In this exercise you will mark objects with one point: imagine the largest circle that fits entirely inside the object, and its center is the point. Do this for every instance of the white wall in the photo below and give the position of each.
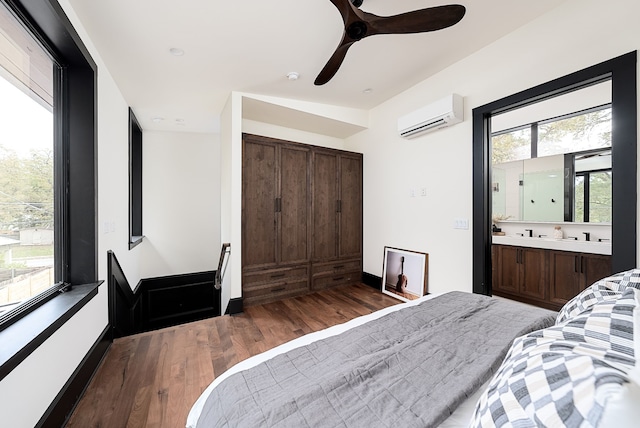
(181, 203)
(577, 34)
(231, 195)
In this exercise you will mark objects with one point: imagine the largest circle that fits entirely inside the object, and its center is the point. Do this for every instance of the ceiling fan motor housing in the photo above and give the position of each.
(357, 30)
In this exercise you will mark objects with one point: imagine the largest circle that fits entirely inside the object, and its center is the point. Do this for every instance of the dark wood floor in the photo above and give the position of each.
(152, 379)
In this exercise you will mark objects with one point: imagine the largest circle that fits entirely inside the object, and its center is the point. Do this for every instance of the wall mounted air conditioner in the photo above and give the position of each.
(442, 113)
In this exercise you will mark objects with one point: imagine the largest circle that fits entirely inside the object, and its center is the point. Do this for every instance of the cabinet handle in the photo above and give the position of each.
(339, 206)
(340, 278)
(338, 267)
(575, 264)
(581, 264)
(278, 275)
(275, 290)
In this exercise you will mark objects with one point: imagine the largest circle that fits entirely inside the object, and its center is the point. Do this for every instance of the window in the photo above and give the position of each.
(576, 132)
(135, 181)
(47, 159)
(593, 187)
(27, 234)
(511, 145)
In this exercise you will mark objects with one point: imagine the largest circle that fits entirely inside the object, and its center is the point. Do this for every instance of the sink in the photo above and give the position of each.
(564, 244)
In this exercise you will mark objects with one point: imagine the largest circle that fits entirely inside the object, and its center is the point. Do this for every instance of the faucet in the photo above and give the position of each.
(530, 232)
(587, 236)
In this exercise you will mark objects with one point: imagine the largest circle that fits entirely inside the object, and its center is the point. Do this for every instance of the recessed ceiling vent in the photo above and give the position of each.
(440, 114)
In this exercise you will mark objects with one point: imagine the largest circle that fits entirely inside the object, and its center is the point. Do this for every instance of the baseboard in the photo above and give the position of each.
(235, 306)
(371, 280)
(65, 402)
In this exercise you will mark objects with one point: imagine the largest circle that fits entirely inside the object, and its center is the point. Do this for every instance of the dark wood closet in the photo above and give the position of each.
(301, 218)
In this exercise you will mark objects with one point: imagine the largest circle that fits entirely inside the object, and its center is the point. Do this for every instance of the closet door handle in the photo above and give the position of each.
(278, 205)
(338, 206)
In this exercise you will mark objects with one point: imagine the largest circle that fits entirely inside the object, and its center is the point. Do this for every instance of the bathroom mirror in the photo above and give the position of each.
(542, 154)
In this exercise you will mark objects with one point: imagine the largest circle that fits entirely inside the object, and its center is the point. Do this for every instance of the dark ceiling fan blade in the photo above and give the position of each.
(417, 21)
(344, 7)
(332, 66)
(359, 24)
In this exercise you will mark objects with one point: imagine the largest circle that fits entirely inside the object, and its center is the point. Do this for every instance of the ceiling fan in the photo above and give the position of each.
(359, 24)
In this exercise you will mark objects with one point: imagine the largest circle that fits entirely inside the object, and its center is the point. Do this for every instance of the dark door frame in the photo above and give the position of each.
(622, 72)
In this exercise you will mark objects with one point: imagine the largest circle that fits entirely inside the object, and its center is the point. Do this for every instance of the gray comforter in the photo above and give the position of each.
(410, 368)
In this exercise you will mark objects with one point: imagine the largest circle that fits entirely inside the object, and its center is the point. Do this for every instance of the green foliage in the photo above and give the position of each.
(511, 146)
(575, 134)
(26, 189)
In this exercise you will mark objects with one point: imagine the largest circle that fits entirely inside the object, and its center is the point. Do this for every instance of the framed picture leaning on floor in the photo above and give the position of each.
(404, 273)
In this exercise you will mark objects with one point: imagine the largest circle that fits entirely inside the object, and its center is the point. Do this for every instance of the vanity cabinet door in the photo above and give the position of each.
(520, 271)
(570, 273)
(595, 267)
(508, 267)
(533, 268)
(565, 281)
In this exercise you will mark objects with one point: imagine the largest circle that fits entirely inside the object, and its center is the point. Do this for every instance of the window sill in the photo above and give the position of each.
(135, 240)
(24, 336)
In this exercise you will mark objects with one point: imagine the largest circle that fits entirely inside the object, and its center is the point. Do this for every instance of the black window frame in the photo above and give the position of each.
(75, 172)
(135, 181)
(534, 126)
(586, 176)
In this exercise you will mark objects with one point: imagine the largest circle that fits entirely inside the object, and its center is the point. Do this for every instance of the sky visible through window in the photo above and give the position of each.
(26, 194)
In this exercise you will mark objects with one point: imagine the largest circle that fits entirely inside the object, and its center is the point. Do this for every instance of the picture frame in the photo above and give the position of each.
(404, 273)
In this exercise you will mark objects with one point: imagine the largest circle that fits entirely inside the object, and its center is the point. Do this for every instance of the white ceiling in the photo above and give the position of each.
(251, 45)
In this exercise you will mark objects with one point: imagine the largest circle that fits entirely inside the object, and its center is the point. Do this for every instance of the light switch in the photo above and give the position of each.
(461, 223)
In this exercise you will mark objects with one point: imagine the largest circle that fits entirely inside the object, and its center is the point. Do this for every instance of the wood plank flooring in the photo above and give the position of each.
(152, 379)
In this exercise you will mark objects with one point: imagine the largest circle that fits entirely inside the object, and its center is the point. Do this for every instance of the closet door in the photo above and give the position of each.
(259, 190)
(294, 204)
(325, 205)
(350, 206)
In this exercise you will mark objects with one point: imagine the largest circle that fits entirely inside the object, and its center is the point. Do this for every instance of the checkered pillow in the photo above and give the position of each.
(564, 375)
(604, 290)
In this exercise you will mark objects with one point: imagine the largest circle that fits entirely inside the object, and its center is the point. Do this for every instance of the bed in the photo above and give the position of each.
(447, 360)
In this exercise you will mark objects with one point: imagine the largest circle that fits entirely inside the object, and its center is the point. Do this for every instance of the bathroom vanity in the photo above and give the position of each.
(546, 272)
